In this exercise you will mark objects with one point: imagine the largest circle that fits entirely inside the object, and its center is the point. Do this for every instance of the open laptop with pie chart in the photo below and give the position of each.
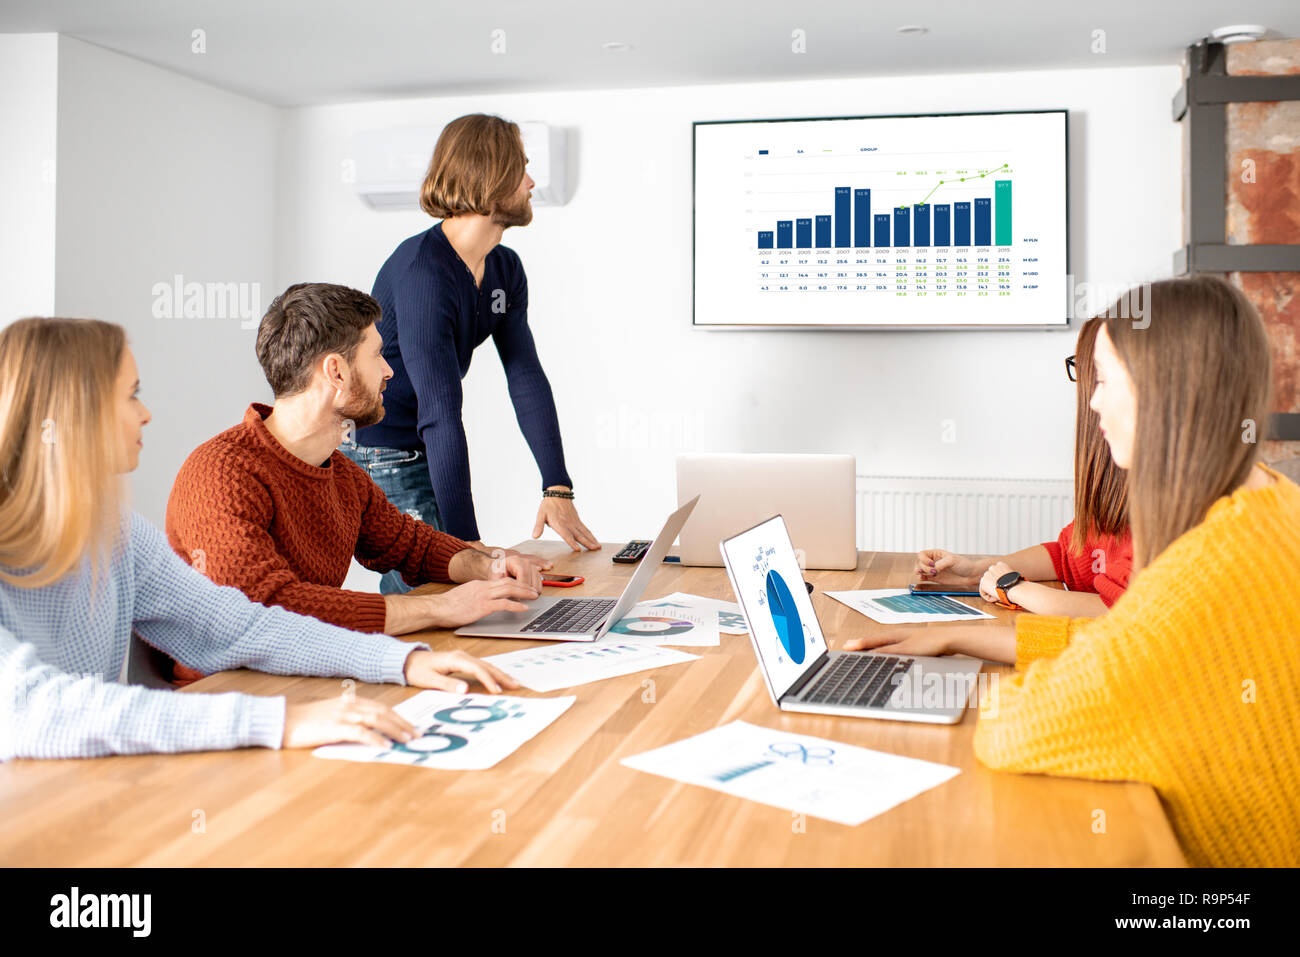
(802, 674)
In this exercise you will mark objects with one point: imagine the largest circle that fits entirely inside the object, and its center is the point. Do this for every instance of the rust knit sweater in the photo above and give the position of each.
(248, 513)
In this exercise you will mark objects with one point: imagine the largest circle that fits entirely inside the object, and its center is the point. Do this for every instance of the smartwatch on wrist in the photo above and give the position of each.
(1006, 583)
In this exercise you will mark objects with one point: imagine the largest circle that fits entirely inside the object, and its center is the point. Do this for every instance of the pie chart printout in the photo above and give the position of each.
(785, 616)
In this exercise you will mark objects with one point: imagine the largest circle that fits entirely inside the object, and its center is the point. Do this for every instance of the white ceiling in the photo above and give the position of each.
(294, 52)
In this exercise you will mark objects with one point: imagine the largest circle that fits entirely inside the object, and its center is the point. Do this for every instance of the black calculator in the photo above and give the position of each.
(632, 552)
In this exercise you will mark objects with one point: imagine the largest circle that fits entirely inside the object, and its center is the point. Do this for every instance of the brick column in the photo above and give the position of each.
(1263, 144)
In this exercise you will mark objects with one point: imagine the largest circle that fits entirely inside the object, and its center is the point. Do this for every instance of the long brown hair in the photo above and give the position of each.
(60, 489)
(1100, 486)
(1199, 360)
(477, 165)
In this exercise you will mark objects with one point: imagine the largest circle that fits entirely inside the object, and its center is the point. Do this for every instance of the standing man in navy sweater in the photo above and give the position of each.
(443, 293)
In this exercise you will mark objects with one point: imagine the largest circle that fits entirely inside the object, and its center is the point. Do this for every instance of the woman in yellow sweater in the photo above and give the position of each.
(1191, 682)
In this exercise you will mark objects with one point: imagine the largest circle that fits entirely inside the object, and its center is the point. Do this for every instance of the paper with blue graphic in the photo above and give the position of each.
(898, 606)
(554, 666)
(461, 732)
(676, 619)
(730, 620)
(826, 779)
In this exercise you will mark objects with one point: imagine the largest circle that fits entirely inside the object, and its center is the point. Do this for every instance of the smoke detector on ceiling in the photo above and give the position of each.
(1240, 33)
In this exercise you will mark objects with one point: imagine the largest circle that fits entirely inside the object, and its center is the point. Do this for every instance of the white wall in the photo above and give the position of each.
(161, 175)
(28, 119)
(610, 292)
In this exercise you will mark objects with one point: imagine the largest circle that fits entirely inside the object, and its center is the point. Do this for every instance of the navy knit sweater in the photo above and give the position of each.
(434, 318)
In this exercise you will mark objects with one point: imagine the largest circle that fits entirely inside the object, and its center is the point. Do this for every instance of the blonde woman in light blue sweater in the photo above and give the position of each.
(79, 573)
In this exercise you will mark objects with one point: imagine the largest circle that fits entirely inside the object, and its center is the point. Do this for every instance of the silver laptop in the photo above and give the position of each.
(581, 619)
(817, 494)
(802, 674)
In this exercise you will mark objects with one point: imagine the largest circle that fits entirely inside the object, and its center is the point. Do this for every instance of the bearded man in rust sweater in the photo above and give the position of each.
(273, 508)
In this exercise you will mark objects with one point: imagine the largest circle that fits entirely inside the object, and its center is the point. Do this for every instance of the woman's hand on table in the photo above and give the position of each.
(992, 642)
(344, 719)
(928, 642)
(434, 669)
(989, 581)
(947, 568)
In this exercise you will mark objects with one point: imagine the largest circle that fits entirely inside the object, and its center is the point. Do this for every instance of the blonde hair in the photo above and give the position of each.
(1201, 368)
(477, 165)
(61, 496)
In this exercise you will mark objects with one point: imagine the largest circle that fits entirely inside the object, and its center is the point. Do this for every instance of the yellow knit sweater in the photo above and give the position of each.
(1191, 683)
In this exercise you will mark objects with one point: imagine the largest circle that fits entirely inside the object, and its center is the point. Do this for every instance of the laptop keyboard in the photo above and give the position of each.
(573, 616)
(865, 681)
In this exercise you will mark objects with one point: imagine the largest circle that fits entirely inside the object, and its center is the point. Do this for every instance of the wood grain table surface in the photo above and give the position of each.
(563, 799)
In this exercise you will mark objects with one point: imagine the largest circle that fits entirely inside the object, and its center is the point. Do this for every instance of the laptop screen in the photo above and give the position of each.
(649, 564)
(777, 607)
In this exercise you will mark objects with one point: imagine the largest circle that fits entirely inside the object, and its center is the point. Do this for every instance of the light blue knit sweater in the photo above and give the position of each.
(64, 649)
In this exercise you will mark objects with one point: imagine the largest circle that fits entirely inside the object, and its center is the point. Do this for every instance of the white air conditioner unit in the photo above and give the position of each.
(389, 165)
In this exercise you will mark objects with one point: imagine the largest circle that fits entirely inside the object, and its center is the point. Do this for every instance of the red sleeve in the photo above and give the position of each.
(218, 518)
(391, 540)
(1057, 551)
(1119, 566)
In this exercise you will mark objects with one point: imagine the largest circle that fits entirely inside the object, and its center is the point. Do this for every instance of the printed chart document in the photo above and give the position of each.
(898, 606)
(730, 620)
(462, 732)
(552, 667)
(675, 620)
(807, 775)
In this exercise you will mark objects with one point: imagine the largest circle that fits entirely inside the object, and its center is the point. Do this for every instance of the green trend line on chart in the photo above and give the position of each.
(961, 179)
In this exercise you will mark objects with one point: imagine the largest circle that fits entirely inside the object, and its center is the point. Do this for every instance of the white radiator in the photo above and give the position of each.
(971, 516)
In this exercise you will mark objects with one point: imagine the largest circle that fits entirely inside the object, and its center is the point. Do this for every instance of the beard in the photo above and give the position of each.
(363, 407)
(519, 214)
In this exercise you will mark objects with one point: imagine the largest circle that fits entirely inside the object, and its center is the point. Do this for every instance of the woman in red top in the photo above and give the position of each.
(1093, 554)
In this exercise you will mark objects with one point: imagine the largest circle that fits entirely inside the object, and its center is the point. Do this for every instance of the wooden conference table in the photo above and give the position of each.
(563, 798)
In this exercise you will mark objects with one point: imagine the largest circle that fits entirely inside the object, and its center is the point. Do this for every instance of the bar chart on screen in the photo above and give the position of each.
(931, 220)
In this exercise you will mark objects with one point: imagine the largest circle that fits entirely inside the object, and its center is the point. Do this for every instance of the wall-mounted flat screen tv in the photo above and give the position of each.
(919, 222)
